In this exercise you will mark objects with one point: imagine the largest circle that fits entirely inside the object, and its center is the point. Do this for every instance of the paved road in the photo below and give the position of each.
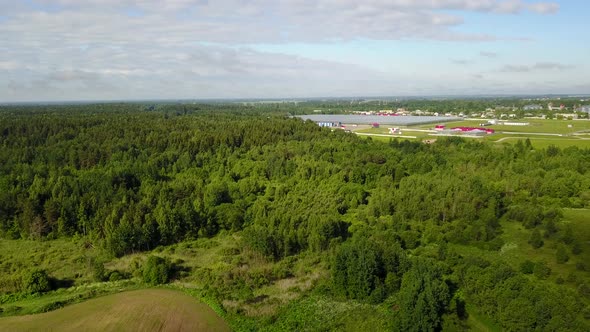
(523, 133)
(384, 135)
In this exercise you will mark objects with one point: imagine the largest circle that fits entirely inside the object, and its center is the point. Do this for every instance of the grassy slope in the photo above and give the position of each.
(142, 310)
(65, 258)
(33, 304)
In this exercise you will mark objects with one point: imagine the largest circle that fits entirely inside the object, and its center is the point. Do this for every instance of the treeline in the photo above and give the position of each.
(133, 177)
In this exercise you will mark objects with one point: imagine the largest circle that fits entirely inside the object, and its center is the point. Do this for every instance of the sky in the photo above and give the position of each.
(64, 50)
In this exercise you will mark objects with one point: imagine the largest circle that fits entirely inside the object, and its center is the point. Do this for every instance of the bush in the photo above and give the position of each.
(52, 306)
(36, 281)
(135, 267)
(99, 273)
(535, 240)
(527, 267)
(156, 270)
(541, 270)
(116, 276)
(576, 248)
(561, 256)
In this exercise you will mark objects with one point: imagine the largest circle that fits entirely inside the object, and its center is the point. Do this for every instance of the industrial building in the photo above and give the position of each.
(329, 124)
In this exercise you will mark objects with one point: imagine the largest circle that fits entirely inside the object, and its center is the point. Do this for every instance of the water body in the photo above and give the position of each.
(380, 119)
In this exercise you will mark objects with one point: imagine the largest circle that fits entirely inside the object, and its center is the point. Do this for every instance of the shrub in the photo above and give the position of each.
(541, 270)
(116, 276)
(561, 256)
(36, 281)
(527, 267)
(52, 306)
(156, 270)
(535, 240)
(135, 267)
(576, 248)
(99, 273)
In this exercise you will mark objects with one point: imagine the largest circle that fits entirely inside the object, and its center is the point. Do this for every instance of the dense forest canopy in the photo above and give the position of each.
(132, 177)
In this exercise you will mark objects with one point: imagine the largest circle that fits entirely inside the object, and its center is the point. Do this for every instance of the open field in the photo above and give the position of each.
(141, 310)
(544, 142)
(542, 133)
(535, 126)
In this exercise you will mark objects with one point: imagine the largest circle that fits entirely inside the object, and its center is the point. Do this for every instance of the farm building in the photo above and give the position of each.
(473, 130)
(375, 125)
(439, 127)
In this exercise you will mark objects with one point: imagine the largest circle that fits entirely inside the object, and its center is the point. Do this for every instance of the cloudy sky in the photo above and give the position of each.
(154, 49)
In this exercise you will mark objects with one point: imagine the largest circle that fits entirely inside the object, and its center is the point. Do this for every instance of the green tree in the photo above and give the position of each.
(527, 267)
(541, 270)
(157, 270)
(561, 256)
(423, 297)
(356, 268)
(36, 281)
(536, 240)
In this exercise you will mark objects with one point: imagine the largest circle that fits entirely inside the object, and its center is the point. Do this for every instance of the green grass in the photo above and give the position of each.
(513, 133)
(204, 263)
(318, 313)
(536, 126)
(544, 142)
(140, 310)
(22, 304)
(64, 259)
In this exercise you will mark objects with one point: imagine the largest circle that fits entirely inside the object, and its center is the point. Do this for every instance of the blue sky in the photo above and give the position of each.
(126, 49)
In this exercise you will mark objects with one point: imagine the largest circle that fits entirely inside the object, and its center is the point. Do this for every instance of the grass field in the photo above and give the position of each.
(542, 133)
(535, 126)
(140, 310)
(544, 142)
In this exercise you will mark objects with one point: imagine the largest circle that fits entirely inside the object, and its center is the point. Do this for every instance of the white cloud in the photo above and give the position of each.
(544, 8)
(461, 62)
(197, 48)
(488, 54)
(231, 21)
(539, 66)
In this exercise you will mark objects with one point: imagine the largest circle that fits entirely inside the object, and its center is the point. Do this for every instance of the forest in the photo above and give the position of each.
(414, 231)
